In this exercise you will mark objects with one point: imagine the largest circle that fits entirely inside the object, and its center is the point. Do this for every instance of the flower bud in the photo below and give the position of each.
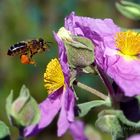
(64, 34)
(24, 110)
(80, 50)
(108, 122)
(129, 9)
(119, 123)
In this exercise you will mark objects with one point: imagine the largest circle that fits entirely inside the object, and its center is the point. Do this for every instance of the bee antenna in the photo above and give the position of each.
(40, 38)
(49, 42)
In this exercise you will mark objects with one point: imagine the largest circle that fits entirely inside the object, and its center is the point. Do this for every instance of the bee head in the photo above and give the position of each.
(44, 44)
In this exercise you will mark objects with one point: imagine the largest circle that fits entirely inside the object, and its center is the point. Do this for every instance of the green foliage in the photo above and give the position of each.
(4, 131)
(9, 101)
(87, 106)
(129, 9)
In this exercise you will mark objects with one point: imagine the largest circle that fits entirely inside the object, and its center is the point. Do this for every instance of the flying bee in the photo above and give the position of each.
(26, 49)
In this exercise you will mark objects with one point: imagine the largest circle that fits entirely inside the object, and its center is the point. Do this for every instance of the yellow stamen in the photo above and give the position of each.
(53, 77)
(128, 43)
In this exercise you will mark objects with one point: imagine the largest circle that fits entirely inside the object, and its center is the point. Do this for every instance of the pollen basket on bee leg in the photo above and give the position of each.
(26, 60)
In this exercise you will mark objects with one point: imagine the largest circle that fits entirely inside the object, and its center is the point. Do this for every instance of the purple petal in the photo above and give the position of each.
(67, 110)
(103, 27)
(68, 99)
(71, 104)
(63, 57)
(134, 137)
(77, 131)
(63, 123)
(31, 130)
(48, 108)
(126, 73)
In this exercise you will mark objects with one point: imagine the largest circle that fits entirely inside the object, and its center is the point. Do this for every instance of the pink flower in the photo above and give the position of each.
(116, 53)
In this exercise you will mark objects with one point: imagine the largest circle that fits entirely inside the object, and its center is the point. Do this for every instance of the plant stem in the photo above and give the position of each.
(20, 138)
(91, 90)
(105, 80)
(107, 83)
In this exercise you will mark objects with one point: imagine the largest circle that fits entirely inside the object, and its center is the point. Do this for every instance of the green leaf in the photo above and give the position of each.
(83, 43)
(86, 107)
(9, 101)
(129, 9)
(4, 131)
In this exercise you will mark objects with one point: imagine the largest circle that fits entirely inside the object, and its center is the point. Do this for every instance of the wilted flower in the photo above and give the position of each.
(61, 97)
(116, 52)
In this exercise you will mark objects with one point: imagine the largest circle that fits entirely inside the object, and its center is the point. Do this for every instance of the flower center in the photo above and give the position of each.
(53, 76)
(128, 43)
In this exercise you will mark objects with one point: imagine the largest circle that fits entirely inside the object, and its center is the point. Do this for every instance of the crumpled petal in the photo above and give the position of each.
(126, 73)
(77, 130)
(63, 123)
(48, 108)
(66, 116)
(78, 25)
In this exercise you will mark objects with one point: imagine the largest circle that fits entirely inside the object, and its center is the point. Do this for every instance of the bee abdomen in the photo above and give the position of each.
(19, 48)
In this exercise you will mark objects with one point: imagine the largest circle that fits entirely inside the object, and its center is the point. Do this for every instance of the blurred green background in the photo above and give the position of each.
(29, 19)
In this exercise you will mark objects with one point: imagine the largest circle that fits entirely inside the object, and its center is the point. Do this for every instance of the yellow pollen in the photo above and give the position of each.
(53, 76)
(128, 43)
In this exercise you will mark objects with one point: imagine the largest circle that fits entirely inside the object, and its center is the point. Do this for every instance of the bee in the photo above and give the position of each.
(26, 49)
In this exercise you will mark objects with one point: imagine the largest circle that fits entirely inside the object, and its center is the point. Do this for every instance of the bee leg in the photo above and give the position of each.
(31, 61)
(25, 59)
